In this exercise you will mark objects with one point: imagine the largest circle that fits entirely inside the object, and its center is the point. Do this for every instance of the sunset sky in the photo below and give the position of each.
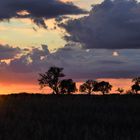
(90, 39)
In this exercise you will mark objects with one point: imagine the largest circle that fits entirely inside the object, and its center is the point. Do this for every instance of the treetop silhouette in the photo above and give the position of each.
(120, 90)
(136, 86)
(88, 86)
(104, 87)
(51, 78)
(67, 86)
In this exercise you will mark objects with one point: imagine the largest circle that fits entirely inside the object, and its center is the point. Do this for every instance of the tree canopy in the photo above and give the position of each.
(104, 87)
(67, 86)
(136, 86)
(88, 86)
(51, 78)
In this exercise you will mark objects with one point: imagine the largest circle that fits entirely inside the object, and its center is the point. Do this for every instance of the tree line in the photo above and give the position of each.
(53, 78)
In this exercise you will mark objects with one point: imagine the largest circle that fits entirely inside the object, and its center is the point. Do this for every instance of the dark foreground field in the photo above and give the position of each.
(40, 117)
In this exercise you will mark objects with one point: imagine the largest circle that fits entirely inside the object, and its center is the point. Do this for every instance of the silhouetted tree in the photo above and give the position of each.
(136, 86)
(67, 86)
(88, 86)
(120, 90)
(136, 80)
(51, 78)
(104, 87)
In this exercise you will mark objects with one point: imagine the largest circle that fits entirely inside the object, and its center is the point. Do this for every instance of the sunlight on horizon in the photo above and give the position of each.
(35, 88)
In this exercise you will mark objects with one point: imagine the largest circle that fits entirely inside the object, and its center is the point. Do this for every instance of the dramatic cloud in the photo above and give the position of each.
(8, 52)
(78, 63)
(113, 24)
(37, 10)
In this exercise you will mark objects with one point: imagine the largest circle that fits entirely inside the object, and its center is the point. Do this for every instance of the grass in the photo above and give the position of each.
(71, 117)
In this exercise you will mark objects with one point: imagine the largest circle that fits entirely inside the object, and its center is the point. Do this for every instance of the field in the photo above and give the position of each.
(69, 117)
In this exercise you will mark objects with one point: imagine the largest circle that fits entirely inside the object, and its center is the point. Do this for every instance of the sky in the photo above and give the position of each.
(90, 39)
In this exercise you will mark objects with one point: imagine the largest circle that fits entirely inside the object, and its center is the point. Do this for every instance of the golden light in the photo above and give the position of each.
(23, 13)
(115, 53)
(65, 0)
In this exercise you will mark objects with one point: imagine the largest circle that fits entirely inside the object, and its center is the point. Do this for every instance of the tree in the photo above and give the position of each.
(136, 86)
(136, 80)
(51, 78)
(104, 87)
(67, 86)
(120, 90)
(88, 86)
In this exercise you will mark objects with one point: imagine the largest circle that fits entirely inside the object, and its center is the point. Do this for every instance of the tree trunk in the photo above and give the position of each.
(55, 90)
(89, 92)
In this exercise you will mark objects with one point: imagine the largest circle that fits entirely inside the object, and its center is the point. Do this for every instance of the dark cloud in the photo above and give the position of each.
(113, 24)
(78, 63)
(110, 62)
(37, 10)
(30, 62)
(59, 19)
(8, 52)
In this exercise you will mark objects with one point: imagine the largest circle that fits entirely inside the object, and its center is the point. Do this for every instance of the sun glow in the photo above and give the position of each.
(35, 88)
(65, 0)
(115, 53)
(23, 13)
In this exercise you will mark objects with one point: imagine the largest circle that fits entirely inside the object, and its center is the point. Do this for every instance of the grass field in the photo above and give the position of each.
(69, 117)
